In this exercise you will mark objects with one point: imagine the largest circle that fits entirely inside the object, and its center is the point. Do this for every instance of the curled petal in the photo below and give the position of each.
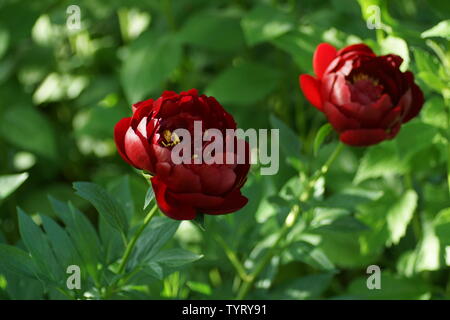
(310, 88)
(169, 206)
(363, 137)
(232, 203)
(120, 130)
(338, 120)
(324, 54)
(136, 150)
(217, 180)
(416, 104)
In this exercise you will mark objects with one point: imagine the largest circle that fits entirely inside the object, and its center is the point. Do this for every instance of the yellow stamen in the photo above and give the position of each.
(171, 138)
(361, 76)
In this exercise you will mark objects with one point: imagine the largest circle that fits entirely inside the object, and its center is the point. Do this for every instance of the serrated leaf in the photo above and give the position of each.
(106, 205)
(9, 183)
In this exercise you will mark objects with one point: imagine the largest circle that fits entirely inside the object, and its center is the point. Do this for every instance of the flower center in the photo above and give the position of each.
(365, 89)
(170, 139)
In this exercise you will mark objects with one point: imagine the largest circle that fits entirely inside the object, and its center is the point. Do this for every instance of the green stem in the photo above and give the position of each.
(135, 238)
(128, 250)
(168, 11)
(233, 258)
(288, 223)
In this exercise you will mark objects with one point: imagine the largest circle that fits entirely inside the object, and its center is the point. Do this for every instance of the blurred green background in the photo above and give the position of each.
(62, 91)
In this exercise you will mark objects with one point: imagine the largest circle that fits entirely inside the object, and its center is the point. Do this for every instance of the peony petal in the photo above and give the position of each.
(324, 54)
(363, 137)
(170, 207)
(198, 200)
(232, 203)
(136, 151)
(216, 180)
(338, 120)
(310, 88)
(357, 48)
(184, 180)
(416, 105)
(340, 93)
(120, 130)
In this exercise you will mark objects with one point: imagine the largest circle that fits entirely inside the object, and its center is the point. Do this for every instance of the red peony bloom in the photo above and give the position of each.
(365, 97)
(146, 140)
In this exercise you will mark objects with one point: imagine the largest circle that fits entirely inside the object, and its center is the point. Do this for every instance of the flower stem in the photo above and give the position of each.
(136, 236)
(288, 223)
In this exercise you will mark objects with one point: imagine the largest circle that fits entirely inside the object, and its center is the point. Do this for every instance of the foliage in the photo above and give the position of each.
(63, 90)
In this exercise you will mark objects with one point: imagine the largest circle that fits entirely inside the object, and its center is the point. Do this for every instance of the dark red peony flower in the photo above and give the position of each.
(365, 97)
(182, 190)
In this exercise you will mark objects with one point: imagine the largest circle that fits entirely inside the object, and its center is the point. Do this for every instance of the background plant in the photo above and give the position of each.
(62, 92)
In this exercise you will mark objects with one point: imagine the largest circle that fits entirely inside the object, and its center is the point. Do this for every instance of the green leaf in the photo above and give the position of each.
(434, 113)
(300, 46)
(289, 141)
(61, 243)
(17, 261)
(174, 258)
(442, 29)
(244, 84)
(199, 287)
(202, 29)
(27, 128)
(381, 160)
(38, 245)
(149, 197)
(149, 63)
(9, 183)
(396, 46)
(106, 205)
(323, 132)
(400, 214)
(154, 237)
(308, 287)
(392, 287)
(335, 220)
(432, 80)
(425, 62)
(306, 252)
(442, 226)
(414, 136)
(264, 23)
(120, 190)
(82, 234)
